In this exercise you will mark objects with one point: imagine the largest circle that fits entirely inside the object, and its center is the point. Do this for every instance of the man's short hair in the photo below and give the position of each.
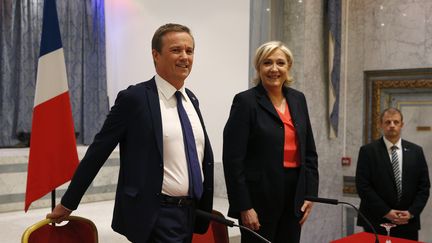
(391, 111)
(166, 28)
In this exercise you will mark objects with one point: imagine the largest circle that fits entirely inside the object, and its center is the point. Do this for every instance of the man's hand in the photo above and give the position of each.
(249, 219)
(398, 217)
(306, 209)
(59, 214)
(403, 217)
(392, 215)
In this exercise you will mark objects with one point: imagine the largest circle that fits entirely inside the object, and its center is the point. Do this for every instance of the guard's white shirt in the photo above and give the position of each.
(176, 179)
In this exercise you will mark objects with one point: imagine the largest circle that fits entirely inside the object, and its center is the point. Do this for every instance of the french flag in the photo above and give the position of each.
(53, 156)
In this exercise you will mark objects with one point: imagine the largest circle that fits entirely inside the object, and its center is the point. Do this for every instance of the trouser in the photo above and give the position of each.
(175, 222)
(286, 229)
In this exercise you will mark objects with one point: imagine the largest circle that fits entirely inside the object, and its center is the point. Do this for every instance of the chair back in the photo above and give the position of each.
(216, 233)
(76, 230)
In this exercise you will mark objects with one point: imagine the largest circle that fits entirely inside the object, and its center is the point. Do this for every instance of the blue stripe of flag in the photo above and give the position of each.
(51, 39)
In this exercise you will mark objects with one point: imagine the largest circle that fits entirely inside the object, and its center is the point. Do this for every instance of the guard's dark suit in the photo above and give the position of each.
(376, 184)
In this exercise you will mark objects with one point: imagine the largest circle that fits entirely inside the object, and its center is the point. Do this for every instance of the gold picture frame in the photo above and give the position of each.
(382, 82)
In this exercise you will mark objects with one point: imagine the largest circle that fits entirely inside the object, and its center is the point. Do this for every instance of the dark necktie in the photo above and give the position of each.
(195, 179)
(396, 170)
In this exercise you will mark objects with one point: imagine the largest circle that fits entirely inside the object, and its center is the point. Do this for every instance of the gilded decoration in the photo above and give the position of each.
(381, 83)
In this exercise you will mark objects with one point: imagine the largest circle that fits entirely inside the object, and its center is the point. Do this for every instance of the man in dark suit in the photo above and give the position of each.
(156, 195)
(392, 180)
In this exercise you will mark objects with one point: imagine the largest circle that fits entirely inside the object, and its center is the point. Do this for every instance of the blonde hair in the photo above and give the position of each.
(264, 51)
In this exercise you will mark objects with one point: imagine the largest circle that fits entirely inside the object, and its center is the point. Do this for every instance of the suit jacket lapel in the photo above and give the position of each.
(195, 104)
(406, 158)
(265, 102)
(293, 105)
(153, 100)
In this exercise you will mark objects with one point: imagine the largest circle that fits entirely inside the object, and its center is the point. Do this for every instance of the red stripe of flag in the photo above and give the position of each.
(53, 156)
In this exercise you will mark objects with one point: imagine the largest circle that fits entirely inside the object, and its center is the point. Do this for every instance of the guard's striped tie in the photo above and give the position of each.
(396, 170)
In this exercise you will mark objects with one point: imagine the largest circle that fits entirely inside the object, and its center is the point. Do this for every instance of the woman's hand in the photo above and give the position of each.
(306, 209)
(249, 218)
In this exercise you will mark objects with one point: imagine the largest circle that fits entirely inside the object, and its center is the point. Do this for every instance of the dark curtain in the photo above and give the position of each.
(82, 26)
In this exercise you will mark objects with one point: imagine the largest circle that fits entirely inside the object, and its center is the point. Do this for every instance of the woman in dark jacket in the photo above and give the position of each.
(269, 156)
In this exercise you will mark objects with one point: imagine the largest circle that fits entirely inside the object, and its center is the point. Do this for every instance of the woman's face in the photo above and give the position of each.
(273, 70)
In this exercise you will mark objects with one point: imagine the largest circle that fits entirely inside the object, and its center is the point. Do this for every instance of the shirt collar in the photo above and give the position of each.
(389, 144)
(166, 88)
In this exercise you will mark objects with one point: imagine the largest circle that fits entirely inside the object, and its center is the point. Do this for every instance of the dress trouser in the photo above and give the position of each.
(286, 229)
(175, 222)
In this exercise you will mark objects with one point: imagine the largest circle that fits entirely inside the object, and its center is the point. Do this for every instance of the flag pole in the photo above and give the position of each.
(53, 199)
(53, 202)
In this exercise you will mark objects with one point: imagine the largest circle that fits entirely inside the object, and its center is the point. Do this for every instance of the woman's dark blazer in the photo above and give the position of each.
(253, 150)
(135, 123)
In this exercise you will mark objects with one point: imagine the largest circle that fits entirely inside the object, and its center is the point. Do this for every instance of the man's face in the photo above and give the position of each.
(391, 125)
(174, 62)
